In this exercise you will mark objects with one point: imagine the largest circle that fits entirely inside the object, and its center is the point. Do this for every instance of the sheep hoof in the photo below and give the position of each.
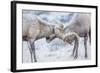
(86, 56)
(35, 60)
(75, 57)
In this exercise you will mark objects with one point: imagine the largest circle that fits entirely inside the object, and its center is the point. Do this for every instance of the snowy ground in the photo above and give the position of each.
(56, 50)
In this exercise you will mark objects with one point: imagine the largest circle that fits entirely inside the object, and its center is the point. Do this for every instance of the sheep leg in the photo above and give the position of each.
(30, 50)
(85, 45)
(75, 50)
(34, 51)
(90, 36)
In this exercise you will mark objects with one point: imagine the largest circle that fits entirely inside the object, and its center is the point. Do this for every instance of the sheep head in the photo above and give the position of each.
(59, 31)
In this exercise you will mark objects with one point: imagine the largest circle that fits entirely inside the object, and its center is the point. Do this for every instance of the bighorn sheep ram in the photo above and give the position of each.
(38, 30)
(80, 25)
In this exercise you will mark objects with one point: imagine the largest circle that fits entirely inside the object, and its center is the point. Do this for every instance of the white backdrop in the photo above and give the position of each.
(5, 36)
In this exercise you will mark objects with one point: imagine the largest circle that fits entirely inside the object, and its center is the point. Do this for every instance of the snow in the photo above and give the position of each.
(56, 50)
